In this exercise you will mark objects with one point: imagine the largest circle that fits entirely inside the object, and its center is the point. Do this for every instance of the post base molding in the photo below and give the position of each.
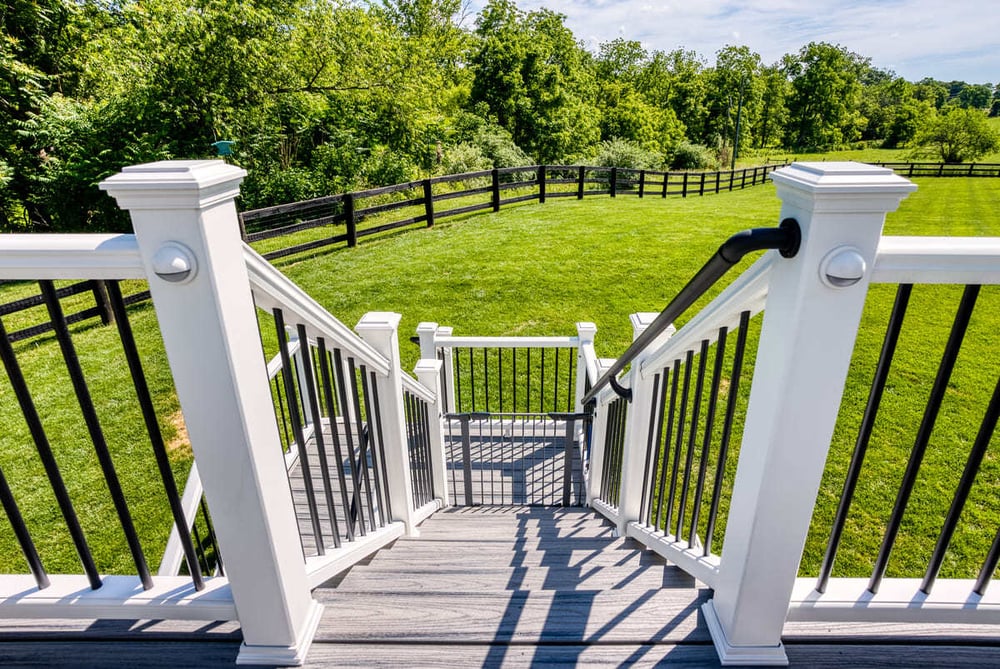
(747, 656)
(284, 656)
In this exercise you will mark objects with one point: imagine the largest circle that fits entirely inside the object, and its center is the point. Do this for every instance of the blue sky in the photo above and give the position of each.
(943, 39)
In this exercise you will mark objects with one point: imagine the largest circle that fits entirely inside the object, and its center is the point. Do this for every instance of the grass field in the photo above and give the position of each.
(538, 269)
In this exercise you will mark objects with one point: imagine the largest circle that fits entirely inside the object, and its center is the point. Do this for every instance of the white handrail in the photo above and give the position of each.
(506, 342)
(91, 256)
(418, 389)
(272, 289)
(962, 260)
(747, 293)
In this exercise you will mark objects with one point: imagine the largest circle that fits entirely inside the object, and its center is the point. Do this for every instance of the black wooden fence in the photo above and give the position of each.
(363, 213)
(352, 216)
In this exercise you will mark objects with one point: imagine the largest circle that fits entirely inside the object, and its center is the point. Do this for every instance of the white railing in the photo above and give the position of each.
(104, 257)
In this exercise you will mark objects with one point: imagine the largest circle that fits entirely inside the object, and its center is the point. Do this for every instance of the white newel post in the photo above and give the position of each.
(585, 333)
(380, 328)
(806, 342)
(428, 372)
(637, 427)
(188, 234)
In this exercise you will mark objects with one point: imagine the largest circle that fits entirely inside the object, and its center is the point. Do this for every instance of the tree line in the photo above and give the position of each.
(325, 96)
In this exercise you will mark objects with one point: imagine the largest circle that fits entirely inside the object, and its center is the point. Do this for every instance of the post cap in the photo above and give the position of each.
(174, 184)
(842, 186)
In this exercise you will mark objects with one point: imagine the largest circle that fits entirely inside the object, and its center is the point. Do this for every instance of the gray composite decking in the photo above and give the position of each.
(499, 586)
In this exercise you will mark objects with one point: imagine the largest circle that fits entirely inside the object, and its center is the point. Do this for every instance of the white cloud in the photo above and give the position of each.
(916, 38)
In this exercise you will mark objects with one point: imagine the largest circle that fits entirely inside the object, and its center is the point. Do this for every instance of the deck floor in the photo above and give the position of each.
(499, 586)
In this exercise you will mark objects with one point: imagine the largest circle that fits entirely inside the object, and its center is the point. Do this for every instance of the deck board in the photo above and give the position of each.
(500, 587)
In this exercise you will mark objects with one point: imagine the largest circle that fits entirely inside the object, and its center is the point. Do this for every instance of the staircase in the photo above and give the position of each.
(484, 586)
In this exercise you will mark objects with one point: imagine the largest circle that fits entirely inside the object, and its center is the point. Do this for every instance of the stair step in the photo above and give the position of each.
(653, 616)
(430, 578)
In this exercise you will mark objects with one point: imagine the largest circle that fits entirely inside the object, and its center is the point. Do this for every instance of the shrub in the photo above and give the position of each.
(623, 153)
(687, 156)
(463, 158)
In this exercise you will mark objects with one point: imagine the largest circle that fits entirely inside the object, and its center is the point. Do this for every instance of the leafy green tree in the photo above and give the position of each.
(958, 135)
(826, 95)
(975, 96)
(535, 79)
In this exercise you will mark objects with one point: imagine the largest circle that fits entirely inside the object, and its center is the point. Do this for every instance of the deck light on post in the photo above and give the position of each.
(223, 147)
(842, 267)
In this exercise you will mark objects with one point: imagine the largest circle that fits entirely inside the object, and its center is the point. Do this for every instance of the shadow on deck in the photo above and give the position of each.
(498, 586)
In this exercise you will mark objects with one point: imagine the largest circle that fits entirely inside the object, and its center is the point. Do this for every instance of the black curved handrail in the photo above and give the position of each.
(785, 239)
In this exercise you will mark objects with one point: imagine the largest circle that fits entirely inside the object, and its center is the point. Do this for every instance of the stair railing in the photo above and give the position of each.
(675, 489)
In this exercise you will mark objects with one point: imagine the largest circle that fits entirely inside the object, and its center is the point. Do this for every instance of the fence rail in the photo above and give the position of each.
(345, 215)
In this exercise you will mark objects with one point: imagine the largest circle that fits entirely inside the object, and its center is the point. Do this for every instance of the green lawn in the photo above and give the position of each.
(538, 269)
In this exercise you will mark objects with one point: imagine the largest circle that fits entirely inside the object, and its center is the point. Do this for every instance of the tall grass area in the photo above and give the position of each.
(538, 269)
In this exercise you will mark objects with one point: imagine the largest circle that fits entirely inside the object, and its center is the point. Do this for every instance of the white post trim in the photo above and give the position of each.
(428, 372)
(380, 329)
(184, 216)
(585, 332)
(806, 343)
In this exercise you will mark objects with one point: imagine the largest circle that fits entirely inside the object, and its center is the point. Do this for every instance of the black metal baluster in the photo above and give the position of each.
(377, 464)
(293, 409)
(571, 387)
(678, 448)
(527, 389)
(513, 376)
(329, 395)
(324, 466)
(692, 436)
(95, 432)
(989, 567)
(278, 391)
(211, 536)
(145, 399)
(955, 338)
(21, 532)
(355, 516)
(381, 446)
(486, 379)
(541, 392)
(713, 398)
(30, 414)
(425, 410)
(362, 480)
(972, 465)
(643, 512)
(457, 357)
(472, 381)
(606, 457)
(500, 376)
(865, 432)
(555, 384)
(727, 427)
(668, 437)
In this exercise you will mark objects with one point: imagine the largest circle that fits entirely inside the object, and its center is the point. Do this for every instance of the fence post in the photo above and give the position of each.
(428, 203)
(684, 187)
(614, 181)
(352, 225)
(541, 184)
(100, 290)
(185, 222)
(428, 372)
(637, 428)
(666, 180)
(495, 189)
(806, 341)
(718, 176)
(642, 182)
(380, 329)
(580, 181)
(701, 186)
